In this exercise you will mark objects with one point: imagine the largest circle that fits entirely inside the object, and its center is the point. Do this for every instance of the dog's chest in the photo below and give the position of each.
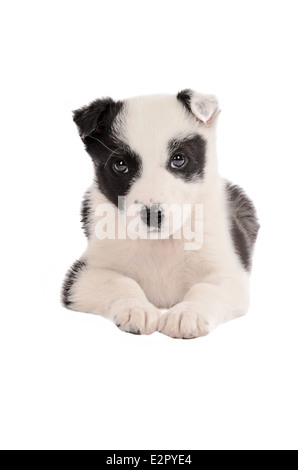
(164, 270)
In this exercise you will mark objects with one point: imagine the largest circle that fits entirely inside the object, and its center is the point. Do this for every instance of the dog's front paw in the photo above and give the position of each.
(139, 318)
(183, 321)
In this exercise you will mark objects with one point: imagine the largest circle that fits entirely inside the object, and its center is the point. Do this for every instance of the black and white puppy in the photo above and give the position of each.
(158, 151)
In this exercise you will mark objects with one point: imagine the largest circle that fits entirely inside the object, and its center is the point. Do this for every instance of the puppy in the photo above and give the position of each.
(152, 152)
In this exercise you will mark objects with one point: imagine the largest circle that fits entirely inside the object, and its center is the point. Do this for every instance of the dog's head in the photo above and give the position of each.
(155, 150)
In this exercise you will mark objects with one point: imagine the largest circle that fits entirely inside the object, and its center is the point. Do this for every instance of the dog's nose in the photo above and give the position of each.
(152, 215)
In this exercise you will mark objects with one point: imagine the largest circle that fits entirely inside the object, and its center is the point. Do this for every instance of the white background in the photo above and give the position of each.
(70, 380)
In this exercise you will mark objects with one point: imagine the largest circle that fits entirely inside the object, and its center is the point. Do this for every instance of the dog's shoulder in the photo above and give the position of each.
(244, 222)
(86, 213)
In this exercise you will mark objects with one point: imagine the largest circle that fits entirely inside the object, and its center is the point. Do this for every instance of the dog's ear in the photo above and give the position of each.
(95, 117)
(204, 107)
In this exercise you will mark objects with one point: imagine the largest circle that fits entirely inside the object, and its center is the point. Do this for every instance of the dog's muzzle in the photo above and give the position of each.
(152, 216)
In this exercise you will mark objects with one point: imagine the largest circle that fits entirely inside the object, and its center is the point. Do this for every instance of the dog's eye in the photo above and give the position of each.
(178, 161)
(120, 166)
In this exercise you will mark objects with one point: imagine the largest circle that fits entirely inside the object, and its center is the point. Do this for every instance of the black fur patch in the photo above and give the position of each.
(69, 281)
(184, 97)
(244, 223)
(95, 124)
(193, 149)
(111, 183)
(96, 116)
(86, 214)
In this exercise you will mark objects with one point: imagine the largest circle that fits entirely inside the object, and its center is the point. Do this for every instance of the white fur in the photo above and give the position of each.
(131, 281)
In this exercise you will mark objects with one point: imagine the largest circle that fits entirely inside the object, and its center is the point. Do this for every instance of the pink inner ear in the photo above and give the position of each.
(211, 120)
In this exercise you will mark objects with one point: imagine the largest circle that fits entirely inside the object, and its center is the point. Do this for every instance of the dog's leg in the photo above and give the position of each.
(111, 295)
(205, 306)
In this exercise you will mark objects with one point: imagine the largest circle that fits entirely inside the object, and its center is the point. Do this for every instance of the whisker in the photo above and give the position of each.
(112, 151)
(100, 142)
(110, 156)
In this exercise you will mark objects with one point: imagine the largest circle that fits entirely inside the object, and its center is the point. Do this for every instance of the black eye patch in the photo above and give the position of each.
(193, 151)
(108, 155)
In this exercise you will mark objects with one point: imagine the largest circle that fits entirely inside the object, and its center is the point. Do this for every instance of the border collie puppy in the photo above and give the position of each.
(153, 152)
